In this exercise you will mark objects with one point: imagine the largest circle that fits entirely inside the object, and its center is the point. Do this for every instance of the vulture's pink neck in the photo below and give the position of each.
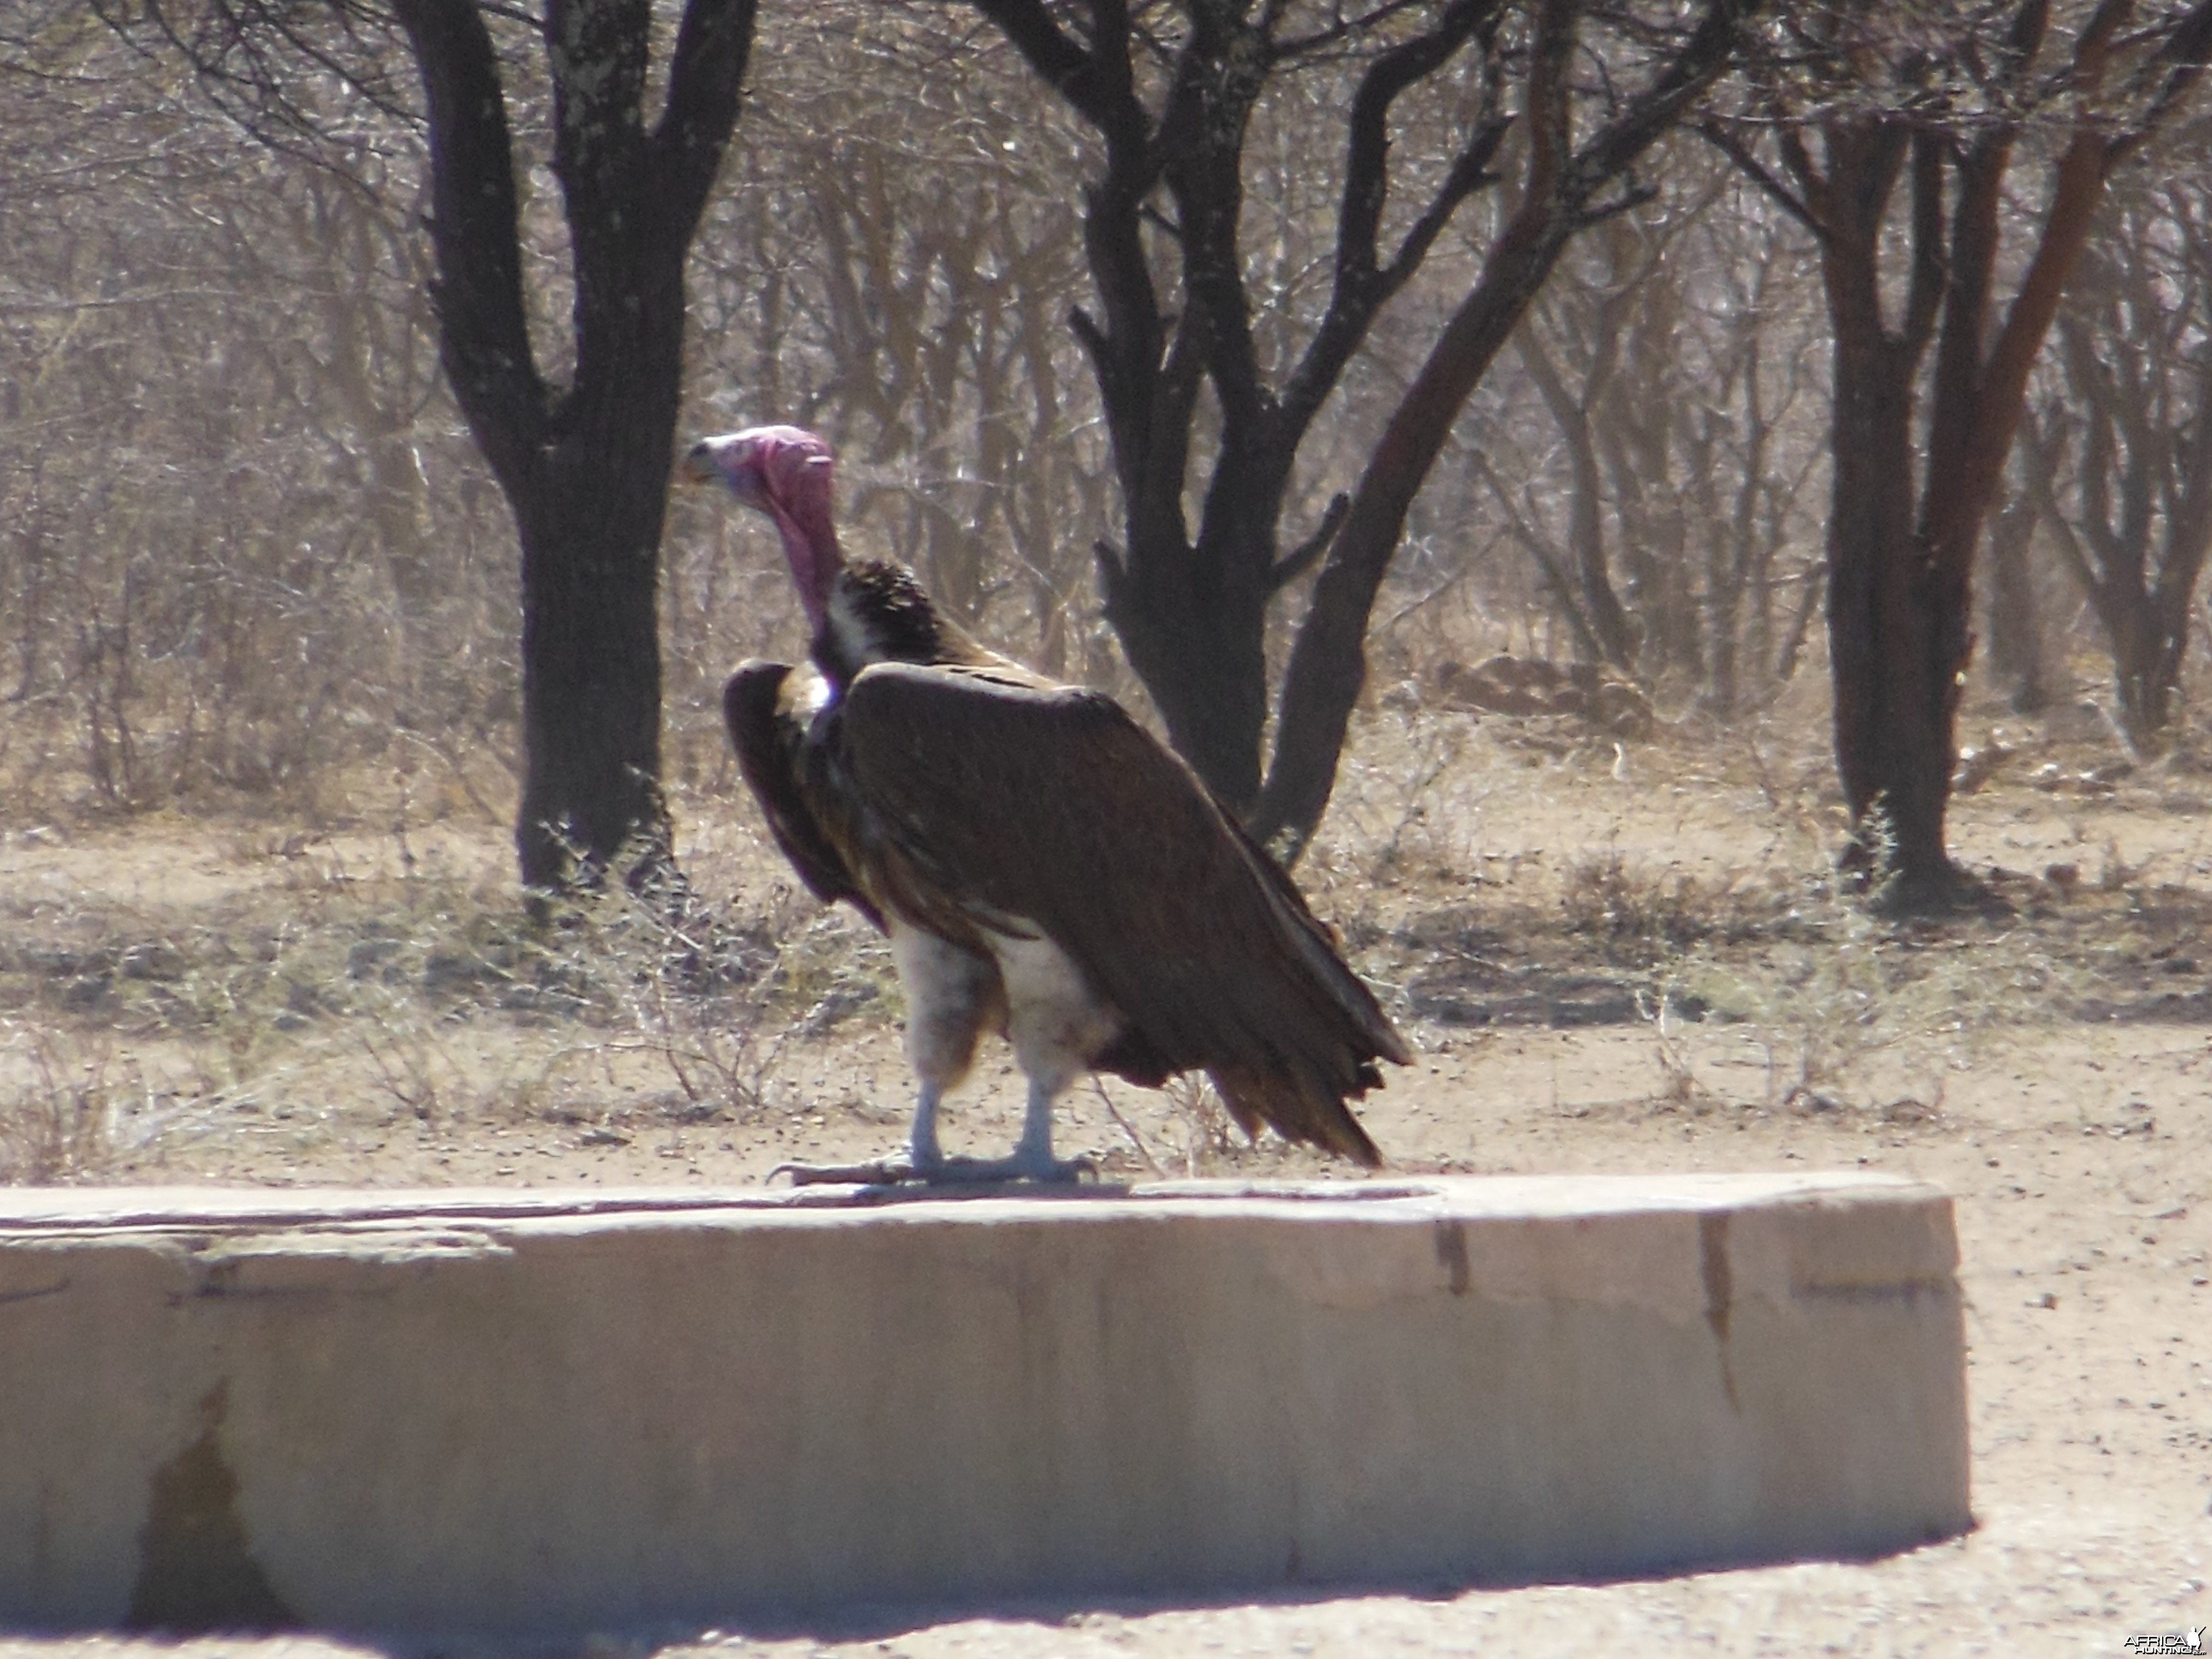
(810, 543)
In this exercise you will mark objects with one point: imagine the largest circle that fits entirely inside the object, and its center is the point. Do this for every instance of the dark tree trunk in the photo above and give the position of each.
(1192, 623)
(585, 468)
(590, 522)
(1883, 653)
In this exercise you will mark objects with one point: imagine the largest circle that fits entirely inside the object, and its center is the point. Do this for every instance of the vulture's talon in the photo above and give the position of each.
(981, 1171)
(880, 1172)
(950, 1172)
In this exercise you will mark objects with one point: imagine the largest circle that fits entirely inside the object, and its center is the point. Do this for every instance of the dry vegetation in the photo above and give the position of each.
(258, 997)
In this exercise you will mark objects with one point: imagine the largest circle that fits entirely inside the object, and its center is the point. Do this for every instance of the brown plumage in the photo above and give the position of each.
(1043, 865)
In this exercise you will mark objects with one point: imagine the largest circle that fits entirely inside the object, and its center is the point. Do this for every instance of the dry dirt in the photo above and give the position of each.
(1615, 958)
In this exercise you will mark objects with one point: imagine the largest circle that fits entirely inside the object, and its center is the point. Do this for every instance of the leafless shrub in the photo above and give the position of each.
(1680, 1083)
(64, 1105)
(1636, 916)
(1209, 1135)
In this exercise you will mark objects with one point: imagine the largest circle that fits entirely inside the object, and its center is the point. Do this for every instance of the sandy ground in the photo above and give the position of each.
(2078, 1147)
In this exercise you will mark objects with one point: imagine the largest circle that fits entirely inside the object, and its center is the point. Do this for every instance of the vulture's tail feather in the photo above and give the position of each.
(1298, 1107)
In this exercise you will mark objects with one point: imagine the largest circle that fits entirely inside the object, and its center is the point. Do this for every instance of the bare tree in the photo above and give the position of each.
(1668, 351)
(1947, 110)
(219, 372)
(1578, 148)
(583, 457)
(1172, 95)
(2135, 354)
(1194, 365)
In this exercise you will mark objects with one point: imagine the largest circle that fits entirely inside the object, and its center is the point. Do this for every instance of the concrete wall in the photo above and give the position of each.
(474, 1411)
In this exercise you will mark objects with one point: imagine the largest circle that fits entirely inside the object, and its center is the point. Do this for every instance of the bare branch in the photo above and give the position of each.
(1752, 168)
(1308, 553)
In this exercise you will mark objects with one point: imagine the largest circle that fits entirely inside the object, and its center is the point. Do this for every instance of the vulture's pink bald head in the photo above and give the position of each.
(785, 472)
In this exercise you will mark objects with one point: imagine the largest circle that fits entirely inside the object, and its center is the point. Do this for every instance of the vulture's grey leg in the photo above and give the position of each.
(1056, 1024)
(1032, 1159)
(922, 1142)
(928, 1166)
(924, 1161)
(953, 995)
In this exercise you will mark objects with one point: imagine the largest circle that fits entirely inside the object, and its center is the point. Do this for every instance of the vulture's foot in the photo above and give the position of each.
(1046, 1170)
(877, 1172)
(945, 1172)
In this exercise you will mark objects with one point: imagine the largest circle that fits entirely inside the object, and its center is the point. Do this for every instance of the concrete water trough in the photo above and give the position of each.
(564, 1411)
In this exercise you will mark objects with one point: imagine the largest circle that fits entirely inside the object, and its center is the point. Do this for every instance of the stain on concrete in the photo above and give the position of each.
(196, 1568)
(1451, 1256)
(1720, 1292)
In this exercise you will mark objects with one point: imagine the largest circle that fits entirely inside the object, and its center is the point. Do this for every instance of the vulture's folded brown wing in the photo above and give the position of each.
(764, 709)
(1049, 803)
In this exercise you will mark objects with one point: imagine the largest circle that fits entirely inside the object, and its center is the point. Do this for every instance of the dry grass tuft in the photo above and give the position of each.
(57, 1111)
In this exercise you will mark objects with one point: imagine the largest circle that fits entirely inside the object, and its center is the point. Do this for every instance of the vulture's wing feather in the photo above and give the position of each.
(1049, 803)
(765, 706)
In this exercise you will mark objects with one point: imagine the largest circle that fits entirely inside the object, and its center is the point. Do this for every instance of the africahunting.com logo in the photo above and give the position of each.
(2171, 1642)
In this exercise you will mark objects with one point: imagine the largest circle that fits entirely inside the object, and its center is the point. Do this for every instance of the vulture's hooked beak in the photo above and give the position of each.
(698, 467)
